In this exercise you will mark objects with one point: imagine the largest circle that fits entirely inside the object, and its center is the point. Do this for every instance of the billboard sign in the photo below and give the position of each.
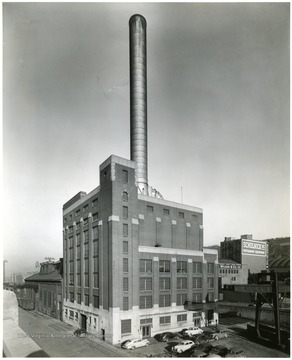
(254, 248)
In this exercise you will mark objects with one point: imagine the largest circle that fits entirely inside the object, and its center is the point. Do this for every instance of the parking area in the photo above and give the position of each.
(234, 339)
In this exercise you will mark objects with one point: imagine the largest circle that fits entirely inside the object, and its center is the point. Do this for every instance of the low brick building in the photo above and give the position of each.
(49, 281)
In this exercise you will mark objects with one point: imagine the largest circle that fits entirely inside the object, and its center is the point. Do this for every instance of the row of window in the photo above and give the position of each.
(84, 209)
(85, 222)
(86, 299)
(85, 251)
(163, 320)
(71, 317)
(166, 212)
(165, 283)
(181, 266)
(85, 237)
(228, 271)
(85, 279)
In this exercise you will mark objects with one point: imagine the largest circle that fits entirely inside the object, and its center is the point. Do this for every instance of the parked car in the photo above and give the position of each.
(183, 346)
(236, 351)
(220, 335)
(80, 332)
(198, 353)
(136, 343)
(202, 338)
(221, 350)
(193, 331)
(206, 348)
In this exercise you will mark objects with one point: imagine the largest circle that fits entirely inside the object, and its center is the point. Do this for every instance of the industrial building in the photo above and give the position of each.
(47, 295)
(246, 251)
(134, 263)
(231, 273)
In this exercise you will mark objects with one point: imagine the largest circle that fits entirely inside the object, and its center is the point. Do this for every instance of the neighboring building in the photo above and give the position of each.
(246, 251)
(134, 265)
(231, 273)
(281, 265)
(48, 298)
(278, 246)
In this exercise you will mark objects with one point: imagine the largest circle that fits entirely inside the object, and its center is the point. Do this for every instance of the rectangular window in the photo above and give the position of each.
(125, 284)
(149, 209)
(78, 265)
(85, 222)
(145, 284)
(164, 300)
(71, 253)
(125, 265)
(164, 266)
(50, 299)
(96, 301)
(95, 248)
(146, 321)
(125, 303)
(125, 212)
(78, 252)
(125, 230)
(71, 296)
(85, 208)
(210, 296)
(41, 294)
(86, 250)
(71, 267)
(78, 226)
(70, 229)
(86, 236)
(164, 320)
(95, 202)
(95, 217)
(95, 233)
(71, 314)
(78, 298)
(145, 266)
(182, 283)
(197, 283)
(166, 212)
(182, 267)
(78, 280)
(197, 268)
(78, 237)
(125, 247)
(125, 196)
(164, 283)
(95, 280)
(125, 176)
(77, 213)
(86, 299)
(126, 326)
(95, 264)
(210, 268)
(145, 302)
(210, 281)
(86, 280)
(181, 317)
(71, 241)
(181, 215)
(197, 298)
(181, 299)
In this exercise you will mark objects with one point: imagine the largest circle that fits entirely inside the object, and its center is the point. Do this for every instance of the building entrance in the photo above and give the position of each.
(146, 331)
(83, 321)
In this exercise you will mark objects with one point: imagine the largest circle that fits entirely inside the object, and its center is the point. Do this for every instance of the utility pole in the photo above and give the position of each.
(4, 262)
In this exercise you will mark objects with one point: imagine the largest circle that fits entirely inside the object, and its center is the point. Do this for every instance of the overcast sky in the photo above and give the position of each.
(218, 113)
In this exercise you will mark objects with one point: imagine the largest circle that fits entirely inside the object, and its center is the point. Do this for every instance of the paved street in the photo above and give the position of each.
(57, 340)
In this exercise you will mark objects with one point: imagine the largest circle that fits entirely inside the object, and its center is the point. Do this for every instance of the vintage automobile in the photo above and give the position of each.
(221, 350)
(183, 346)
(219, 335)
(136, 343)
(198, 353)
(193, 331)
(236, 351)
(80, 332)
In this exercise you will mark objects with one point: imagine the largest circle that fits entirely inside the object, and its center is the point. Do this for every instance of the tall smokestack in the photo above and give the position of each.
(138, 100)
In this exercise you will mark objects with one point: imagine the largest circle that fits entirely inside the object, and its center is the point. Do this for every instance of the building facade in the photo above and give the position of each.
(246, 251)
(49, 295)
(135, 265)
(231, 273)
